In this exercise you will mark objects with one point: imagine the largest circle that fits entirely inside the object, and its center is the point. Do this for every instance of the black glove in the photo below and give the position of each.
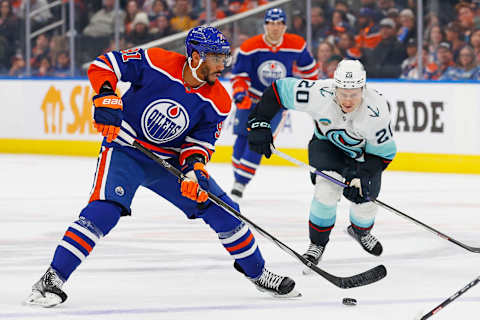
(364, 180)
(260, 136)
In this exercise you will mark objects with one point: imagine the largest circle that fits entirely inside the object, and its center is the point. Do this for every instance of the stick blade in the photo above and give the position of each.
(362, 279)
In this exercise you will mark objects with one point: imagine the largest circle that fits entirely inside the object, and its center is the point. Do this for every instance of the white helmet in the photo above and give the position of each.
(350, 74)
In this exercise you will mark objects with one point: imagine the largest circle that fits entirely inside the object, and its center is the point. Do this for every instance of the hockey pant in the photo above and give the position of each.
(245, 162)
(120, 171)
(324, 156)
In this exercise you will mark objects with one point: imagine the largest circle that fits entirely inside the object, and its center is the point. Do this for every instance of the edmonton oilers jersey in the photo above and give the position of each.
(364, 130)
(258, 64)
(160, 111)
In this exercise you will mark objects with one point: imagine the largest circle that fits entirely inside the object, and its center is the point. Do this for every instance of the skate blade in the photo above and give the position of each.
(47, 301)
(292, 294)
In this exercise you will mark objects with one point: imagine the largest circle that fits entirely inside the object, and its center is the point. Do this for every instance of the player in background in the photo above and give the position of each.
(175, 107)
(261, 60)
(352, 140)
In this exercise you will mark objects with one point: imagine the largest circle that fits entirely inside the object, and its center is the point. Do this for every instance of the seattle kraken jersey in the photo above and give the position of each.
(365, 130)
(257, 64)
(160, 111)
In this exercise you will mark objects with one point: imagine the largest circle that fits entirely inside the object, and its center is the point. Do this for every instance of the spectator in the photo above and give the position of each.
(372, 5)
(183, 18)
(161, 26)
(453, 34)
(407, 28)
(44, 69)
(9, 34)
(411, 61)
(465, 16)
(466, 68)
(434, 38)
(339, 26)
(102, 23)
(298, 24)
(431, 20)
(445, 61)
(368, 36)
(216, 13)
(320, 26)
(324, 52)
(159, 7)
(346, 47)
(140, 33)
(131, 12)
(394, 14)
(384, 6)
(40, 50)
(342, 6)
(56, 45)
(410, 65)
(18, 65)
(384, 61)
(475, 43)
(62, 65)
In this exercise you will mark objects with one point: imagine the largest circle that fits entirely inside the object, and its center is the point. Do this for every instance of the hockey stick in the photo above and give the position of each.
(372, 275)
(377, 202)
(453, 297)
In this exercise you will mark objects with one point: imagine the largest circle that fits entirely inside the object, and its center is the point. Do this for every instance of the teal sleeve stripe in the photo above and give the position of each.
(385, 150)
(285, 89)
(321, 214)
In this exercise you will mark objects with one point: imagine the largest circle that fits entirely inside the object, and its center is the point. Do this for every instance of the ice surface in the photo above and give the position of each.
(157, 264)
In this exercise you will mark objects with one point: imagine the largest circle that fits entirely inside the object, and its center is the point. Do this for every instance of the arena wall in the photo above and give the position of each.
(435, 124)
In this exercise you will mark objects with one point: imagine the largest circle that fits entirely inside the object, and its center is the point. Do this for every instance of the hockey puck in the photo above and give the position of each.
(349, 302)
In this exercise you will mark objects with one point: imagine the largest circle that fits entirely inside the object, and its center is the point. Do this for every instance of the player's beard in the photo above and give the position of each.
(209, 76)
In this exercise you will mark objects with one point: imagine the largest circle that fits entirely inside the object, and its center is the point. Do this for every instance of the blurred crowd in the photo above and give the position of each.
(380, 33)
(383, 35)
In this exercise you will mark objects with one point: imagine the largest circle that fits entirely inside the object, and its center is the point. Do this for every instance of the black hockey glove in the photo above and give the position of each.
(364, 179)
(260, 136)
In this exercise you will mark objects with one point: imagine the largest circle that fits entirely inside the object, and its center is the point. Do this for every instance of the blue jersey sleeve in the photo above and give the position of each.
(128, 65)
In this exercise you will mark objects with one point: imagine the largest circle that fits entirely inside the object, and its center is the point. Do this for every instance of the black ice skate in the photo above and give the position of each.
(367, 241)
(314, 254)
(237, 191)
(47, 292)
(271, 283)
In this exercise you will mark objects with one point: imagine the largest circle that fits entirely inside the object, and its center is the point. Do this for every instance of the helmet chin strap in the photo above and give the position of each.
(194, 70)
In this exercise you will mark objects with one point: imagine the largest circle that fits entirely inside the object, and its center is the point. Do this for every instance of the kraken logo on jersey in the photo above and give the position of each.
(270, 71)
(164, 120)
(346, 142)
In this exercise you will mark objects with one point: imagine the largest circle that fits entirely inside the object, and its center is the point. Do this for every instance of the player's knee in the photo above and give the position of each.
(218, 218)
(102, 215)
(325, 191)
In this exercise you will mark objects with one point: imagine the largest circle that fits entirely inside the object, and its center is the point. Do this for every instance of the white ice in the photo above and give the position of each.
(157, 264)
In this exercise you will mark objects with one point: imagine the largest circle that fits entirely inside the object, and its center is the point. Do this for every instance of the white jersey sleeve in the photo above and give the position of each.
(375, 124)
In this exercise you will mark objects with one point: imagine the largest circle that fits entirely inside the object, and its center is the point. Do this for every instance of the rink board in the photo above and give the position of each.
(435, 124)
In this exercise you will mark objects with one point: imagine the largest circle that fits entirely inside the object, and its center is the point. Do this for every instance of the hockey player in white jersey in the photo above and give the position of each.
(352, 141)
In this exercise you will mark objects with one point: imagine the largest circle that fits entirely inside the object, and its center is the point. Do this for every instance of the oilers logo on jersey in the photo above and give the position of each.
(270, 71)
(164, 120)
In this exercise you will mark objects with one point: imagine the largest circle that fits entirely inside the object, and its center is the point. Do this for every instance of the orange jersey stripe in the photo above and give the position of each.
(242, 244)
(79, 240)
(244, 168)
